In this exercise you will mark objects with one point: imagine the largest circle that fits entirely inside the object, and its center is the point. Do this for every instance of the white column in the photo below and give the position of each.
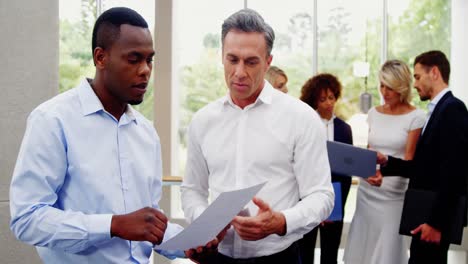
(459, 50)
(165, 101)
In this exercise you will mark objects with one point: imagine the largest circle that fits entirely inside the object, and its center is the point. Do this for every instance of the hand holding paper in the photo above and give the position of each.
(212, 221)
(206, 253)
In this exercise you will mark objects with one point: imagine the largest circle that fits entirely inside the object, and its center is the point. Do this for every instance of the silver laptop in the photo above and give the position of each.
(350, 160)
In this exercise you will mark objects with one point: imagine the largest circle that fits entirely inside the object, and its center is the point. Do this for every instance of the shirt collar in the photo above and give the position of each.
(436, 99)
(329, 122)
(264, 97)
(91, 104)
(89, 101)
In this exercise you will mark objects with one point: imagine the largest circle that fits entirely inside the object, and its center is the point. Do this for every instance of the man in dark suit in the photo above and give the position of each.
(440, 161)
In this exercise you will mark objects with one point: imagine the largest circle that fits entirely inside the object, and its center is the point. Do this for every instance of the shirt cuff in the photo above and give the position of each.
(293, 220)
(171, 254)
(99, 226)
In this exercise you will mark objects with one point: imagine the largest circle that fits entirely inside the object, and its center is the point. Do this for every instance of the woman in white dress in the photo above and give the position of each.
(394, 129)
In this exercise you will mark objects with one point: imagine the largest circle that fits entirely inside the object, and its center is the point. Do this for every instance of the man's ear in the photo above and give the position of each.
(435, 73)
(269, 59)
(99, 57)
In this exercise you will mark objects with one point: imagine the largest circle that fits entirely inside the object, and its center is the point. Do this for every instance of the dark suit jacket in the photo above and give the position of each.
(342, 133)
(440, 162)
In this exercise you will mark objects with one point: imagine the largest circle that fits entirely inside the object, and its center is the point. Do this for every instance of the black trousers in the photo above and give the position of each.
(330, 237)
(287, 256)
(427, 253)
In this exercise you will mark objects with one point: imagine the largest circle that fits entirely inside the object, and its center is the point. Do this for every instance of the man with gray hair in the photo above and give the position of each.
(252, 135)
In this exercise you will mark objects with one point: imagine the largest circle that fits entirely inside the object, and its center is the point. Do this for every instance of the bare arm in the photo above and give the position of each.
(411, 141)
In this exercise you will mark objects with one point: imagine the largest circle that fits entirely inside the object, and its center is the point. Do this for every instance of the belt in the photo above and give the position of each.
(288, 256)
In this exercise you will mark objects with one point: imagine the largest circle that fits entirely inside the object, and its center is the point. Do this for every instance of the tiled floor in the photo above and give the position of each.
(454, 257)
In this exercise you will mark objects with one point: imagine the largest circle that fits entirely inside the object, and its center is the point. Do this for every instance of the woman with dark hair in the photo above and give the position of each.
(321, 92)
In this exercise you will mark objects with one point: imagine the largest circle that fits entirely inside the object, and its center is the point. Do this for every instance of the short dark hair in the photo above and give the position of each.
(248, 20)
(107, 27)
(435, 58)
(312, 89)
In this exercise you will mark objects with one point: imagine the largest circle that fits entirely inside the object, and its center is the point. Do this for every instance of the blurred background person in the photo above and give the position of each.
(321, 92)
(277, 78)
(394, 129)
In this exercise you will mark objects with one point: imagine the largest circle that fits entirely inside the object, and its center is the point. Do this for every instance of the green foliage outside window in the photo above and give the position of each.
(424, 25)
(76, 59)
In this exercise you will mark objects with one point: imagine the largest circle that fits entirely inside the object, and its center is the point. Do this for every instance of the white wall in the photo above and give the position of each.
(459, 50)
(29, 75)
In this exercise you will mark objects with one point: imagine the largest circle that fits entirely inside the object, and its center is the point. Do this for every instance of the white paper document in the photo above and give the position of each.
(212, 221)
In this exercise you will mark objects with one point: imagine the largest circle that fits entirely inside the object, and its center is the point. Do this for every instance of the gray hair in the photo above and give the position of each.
(248, 20)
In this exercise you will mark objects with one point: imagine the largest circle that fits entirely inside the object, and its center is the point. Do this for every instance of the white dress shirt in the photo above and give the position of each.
(329, 127)
(277, 139)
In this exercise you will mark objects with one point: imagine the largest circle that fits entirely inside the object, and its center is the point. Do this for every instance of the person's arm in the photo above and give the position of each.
(312, 170)
(36, 214)
(37, 179)
(411, 141)
(194, 188)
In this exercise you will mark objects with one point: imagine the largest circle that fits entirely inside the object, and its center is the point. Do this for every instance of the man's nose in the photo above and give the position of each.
(145, 69)
(240, 70)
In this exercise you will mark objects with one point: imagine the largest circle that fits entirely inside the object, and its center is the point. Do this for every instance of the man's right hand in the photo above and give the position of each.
(382, 159)
(147, 224)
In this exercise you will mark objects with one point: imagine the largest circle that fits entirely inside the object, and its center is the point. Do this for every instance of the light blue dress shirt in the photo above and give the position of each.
(78, 166)
(432, 104)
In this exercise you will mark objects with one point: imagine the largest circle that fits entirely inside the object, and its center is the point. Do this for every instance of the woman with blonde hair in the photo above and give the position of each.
(277, 78)
(394, 128)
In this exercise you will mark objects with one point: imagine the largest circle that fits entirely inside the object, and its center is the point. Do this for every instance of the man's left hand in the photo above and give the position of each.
(428, 233)
(207, 253)
(265, 223)
(203, 254)
(375, 180)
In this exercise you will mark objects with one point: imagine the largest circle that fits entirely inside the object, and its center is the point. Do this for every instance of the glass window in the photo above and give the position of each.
(77, 19)
(416, 26)
(349, 34)
(293, 47)
(199, 74)
(75, 58)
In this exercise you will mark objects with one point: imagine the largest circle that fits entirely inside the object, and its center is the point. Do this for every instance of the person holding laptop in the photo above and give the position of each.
(394, 128)
(439, 164)
(321, 92)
